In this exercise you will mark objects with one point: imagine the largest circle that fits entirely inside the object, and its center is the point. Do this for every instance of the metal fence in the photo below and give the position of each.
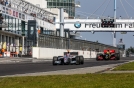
(49, 41)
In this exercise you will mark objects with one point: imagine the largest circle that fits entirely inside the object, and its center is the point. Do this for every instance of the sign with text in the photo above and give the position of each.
(121, 25)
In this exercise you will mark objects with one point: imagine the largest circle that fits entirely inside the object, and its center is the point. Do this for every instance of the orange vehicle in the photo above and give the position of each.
(108, 55)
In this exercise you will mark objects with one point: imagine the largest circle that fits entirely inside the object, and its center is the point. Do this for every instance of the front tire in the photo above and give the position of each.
(77, 60)
(97, 59)
(81, 60)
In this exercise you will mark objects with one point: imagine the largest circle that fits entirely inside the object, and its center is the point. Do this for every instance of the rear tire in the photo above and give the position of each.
(97, 59)
(54, 59)
(77, 60)
(81, 60)
(98, 56)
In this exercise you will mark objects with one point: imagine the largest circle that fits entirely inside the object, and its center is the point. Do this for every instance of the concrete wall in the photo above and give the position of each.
(48, 53)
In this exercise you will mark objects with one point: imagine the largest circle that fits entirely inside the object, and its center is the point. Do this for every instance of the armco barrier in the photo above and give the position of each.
(48, 53)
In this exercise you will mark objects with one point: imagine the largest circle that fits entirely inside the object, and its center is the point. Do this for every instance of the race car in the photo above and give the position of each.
(105, 56)
(74, 58)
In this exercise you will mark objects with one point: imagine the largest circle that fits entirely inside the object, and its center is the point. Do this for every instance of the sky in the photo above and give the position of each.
(90, 6)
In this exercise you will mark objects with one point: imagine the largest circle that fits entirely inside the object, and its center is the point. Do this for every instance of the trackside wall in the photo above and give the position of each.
(48, 53)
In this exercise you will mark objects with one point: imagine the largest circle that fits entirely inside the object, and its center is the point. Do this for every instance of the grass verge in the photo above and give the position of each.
(70, 81)
(125, 67)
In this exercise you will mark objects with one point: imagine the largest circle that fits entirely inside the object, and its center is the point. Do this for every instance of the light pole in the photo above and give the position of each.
(114, 33)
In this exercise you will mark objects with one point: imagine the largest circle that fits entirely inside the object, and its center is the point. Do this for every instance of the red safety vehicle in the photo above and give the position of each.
(108, 55)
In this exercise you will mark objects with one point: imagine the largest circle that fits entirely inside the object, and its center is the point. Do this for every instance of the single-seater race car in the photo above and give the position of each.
(73, 58)
(108, 55)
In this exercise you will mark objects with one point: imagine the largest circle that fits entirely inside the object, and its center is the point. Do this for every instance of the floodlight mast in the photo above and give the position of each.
(114, 33)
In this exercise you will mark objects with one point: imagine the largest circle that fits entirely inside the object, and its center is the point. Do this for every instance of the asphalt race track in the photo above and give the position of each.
(22, 68)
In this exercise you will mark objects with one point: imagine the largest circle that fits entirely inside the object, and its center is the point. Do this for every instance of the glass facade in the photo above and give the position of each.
(19, 27)
(68, 5)
(14, 25)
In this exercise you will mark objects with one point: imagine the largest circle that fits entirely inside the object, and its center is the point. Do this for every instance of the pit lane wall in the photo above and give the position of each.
(48, 53)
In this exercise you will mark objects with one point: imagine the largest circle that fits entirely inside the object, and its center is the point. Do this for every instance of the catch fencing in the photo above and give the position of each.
(57, 42)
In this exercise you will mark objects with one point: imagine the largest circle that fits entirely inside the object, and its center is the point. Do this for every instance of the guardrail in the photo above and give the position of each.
(49, 41)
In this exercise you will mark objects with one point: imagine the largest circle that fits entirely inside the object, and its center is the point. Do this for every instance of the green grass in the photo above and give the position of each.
(70, 81)
(125, 67)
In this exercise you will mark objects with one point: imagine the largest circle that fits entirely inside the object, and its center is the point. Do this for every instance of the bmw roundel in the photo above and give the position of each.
(77, 25)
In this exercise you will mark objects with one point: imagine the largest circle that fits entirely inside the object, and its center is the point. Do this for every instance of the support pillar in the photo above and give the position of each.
(17, 44)
(114, 34)
(114, 39)
(61, 26)
(7, 43)
(4, 41)
(61, 22)
(23, 42)
(11, 44)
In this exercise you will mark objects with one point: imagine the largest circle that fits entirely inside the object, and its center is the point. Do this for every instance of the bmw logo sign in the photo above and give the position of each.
(77, 25)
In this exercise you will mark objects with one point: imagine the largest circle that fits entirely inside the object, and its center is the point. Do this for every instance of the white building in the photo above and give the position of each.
(57, 11)
(43, 4)
(39, 3)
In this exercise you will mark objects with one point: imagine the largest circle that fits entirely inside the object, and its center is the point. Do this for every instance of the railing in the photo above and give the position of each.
(66, 43)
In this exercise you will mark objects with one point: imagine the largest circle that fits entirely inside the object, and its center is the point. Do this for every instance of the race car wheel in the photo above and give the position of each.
(62, 61)
(81, 60)
(77, 60)
(97, 59)
(54, 59)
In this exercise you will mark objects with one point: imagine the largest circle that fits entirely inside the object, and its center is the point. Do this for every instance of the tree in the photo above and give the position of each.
(130, 50)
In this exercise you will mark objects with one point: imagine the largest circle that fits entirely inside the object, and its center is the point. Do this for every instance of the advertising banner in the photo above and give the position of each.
(17, 14)
(10, 12)
(13, 13)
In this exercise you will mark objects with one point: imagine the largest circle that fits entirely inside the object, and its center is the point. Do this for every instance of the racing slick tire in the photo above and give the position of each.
(77, 60)
(97, 59)
(81, 60)
(54, 59)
